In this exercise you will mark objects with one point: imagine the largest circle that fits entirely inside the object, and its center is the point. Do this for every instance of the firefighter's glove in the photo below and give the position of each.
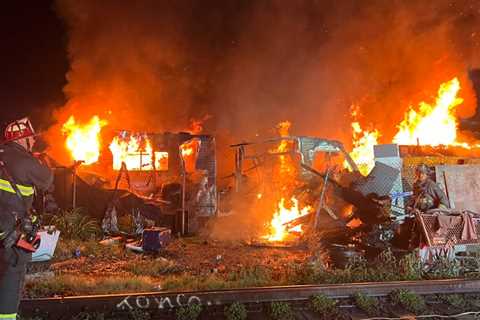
(8, 239)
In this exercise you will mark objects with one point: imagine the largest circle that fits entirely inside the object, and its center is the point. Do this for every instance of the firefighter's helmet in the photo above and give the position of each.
(19, 129)
(422, 168)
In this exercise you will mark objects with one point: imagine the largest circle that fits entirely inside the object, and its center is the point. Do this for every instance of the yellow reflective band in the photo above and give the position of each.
(24, 190)
(12, 316)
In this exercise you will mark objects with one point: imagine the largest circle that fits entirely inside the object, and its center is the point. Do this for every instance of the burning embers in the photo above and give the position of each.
(83, 141)
(135, 150)
(279, 229)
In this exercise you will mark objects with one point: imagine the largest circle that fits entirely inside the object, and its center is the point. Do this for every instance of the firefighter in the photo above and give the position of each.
(427, 194)
(18, 167)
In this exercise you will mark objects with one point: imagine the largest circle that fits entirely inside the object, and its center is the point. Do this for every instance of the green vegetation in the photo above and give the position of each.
(281, 311)
(74, 224)
(455, 300)
(153, 268)
(79, 284)
(190, 312)
(90, 248)
(89, 316)
(367, 304)
(236, 311)
(408, 300)
(444, 268)
(139, 315)
(324, 306)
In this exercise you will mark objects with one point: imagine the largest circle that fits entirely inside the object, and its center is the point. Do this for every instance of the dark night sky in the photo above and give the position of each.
(33, 59)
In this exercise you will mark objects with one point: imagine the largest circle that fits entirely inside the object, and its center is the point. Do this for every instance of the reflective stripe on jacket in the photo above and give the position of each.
(26, 191)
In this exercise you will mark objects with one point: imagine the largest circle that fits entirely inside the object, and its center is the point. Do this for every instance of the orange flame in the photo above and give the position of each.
(189, 151)
(363, 142)
(432, 124)
(278, 229)
(137, 154)
(83, 141)
(362, 153)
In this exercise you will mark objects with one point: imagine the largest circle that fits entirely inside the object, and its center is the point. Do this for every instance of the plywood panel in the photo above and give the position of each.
(462, 184)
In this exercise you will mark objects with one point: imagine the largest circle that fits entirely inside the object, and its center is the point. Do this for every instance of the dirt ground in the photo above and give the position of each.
(195, 256)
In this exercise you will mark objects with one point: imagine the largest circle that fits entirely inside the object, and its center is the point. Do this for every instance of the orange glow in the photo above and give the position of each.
(83, 141)
(432, 124)
(354, 223)
(189, 152)
(284, 215)
(362, 153)
(137, 154)
(362, 142)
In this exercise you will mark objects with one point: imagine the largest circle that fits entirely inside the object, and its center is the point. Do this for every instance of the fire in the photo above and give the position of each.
(432, 124)
(137, 154)
(83, 141)
(363, 142)
(282, 216)
(189, 152)
(285, 179)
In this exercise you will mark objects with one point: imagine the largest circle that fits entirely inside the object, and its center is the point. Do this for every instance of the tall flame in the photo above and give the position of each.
(363, 142)
(283, 215)
(432, 124)
(83, 141)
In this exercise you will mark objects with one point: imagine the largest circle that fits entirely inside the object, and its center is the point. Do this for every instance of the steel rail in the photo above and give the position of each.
(167, 301)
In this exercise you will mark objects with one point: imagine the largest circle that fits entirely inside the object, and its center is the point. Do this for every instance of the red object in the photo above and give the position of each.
(29, 246)
(19, 129)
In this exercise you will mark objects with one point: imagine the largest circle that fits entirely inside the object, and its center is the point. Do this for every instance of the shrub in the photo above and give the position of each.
(74, 224)
(324, 306)
(455, 300)
(189, 312)
(281, 311)
(367, 304)
(408, 300)
(236, 311)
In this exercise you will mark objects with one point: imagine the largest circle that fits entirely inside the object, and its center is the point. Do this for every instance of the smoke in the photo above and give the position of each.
(153, 65)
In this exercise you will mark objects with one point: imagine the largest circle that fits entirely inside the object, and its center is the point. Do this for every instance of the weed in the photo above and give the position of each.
(189, 312)
(251, 277)
(74, 224)
(444, 268)
(153, 267)
(139, 315)
(89, 316)
(408, 300)
(66, 248)
(82, 284)
(236, 311)
(281, 311)
(367, 304)
(324, 306)
(411, 267)
(455, 300)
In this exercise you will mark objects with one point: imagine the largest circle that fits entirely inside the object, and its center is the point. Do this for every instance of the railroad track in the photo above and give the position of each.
(163, 304)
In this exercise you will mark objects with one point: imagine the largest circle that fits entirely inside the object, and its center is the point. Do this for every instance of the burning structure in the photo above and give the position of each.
(169, 178)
